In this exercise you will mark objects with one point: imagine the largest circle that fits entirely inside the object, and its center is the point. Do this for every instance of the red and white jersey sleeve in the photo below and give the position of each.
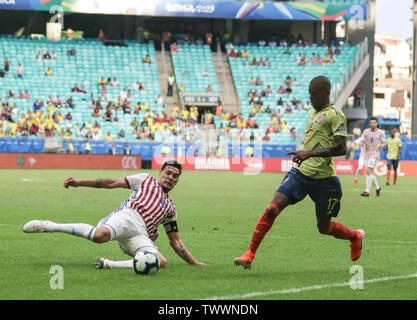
(134, 181)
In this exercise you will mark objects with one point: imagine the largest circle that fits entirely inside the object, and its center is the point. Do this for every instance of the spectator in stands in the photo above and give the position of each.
(181, 87)
(268, 109)
(71, 52)
(114, 82)
(174, 47)
(2, 73)
(96, 113)
(108, 137)
(281, 89)
(19, 71)
(6, 65)
(272, 43)
(208, 117)
(313, 58)
(337, 51)
(219, 110)
(258, 82)
(70, 34)
(293, 134)
(49, 72)
(39, 56)
(147, 59)
(319, 59)
(232, 53)
(238, 54)
(108, 114)
(76, 89)
(53, 55)
(245, 54)
(68, 116)
(303, 61)
(47, 55)
(266, 137)
(254, 62)
(229, 46)
(69, 103)
(121, 134)
(205, 73)
(36, 105)
(288, 81)
(209, 89)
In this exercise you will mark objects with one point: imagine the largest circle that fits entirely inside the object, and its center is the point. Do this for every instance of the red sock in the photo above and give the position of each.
(264, 224)
(395, 176)
(389, 175)
(339, 231)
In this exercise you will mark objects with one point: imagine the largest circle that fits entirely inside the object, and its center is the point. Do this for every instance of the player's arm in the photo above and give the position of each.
(338, 149)
(106, 183)
(179, 247)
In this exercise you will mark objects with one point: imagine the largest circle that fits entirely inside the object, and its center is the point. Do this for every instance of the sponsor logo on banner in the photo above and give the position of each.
(381, 169)
(9, 2)
(32, 161)
(286, 165)
(129, 163)
(344, 167)
(202, 163)
(189, 8)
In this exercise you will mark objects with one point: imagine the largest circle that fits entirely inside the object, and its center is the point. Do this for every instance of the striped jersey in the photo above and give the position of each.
(150, 201)
(372, 141)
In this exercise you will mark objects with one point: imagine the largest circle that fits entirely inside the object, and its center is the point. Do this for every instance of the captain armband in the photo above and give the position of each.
(171, 227)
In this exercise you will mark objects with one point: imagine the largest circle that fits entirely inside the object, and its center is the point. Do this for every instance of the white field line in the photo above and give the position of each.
(308, 288)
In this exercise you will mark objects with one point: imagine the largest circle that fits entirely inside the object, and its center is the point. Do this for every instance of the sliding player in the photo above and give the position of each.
(134, 225)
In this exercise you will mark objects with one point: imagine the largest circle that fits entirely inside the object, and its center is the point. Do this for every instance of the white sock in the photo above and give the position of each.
(82, 230)
(120, 264)
(368, 183)
(375, 182)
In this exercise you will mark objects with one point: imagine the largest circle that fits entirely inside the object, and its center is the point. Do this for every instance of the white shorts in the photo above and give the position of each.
(129, 230)
(372, 163)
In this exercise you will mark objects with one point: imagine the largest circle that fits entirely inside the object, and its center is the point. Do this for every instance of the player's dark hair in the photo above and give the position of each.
(173, 163)
(373, 118)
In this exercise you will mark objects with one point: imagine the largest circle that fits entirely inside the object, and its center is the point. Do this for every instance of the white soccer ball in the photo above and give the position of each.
(145, 262)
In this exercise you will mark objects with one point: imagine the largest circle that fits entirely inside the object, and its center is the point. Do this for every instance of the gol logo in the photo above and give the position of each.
(129, 163)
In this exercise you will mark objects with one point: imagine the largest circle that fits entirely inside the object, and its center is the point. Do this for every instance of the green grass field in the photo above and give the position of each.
(217, 214)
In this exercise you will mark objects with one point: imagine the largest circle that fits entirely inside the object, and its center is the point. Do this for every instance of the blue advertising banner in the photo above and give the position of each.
(309, 10)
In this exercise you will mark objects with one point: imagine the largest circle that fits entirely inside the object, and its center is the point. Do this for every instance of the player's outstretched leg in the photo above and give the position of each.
(82, 230)
(262, 227)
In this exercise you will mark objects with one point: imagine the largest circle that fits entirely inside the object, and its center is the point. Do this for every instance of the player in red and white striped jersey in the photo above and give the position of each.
(372, 140)
(134, 225)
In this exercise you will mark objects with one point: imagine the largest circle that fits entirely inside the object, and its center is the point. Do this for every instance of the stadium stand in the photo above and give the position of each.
(84, 79)
(272, 85)
(194, 68)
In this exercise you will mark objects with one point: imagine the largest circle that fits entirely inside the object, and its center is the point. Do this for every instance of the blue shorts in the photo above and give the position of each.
(393, 163)
(326, 193)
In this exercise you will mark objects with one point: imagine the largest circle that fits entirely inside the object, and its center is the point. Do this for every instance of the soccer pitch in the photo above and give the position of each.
(217, 213)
